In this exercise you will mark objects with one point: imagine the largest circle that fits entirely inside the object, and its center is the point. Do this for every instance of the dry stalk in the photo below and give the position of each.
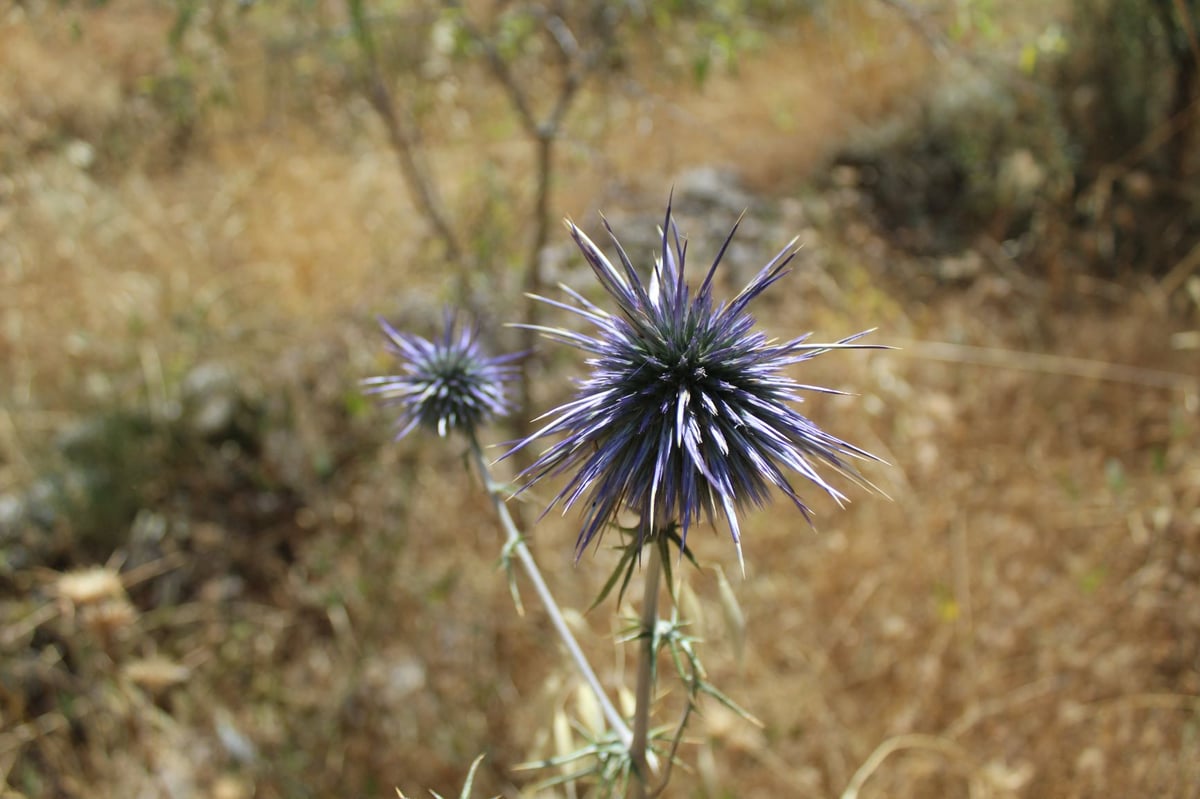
(977, 787)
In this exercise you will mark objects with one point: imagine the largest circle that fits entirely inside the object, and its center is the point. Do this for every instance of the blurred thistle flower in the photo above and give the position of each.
(686, 409)
(449, 383)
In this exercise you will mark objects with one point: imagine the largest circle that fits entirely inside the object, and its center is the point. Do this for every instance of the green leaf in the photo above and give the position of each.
(623, 572)
(1028, 59)
(664, 552)
(712, 691)
(506, 562)
(1114, 475)
(183, 21)
(356, 404)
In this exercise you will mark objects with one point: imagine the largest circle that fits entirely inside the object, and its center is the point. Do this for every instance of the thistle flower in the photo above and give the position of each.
(686, 410)
(448, 384)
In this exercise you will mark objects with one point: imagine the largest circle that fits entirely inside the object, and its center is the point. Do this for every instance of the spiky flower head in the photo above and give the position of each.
(448, 383)
(686, 411)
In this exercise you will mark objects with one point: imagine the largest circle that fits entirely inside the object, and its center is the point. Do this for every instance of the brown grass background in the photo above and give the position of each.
(1021, 619)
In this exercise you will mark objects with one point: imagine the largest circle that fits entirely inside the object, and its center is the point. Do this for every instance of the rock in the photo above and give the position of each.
(14, 552)
(12, 511)
(210, 399)
(710, 188)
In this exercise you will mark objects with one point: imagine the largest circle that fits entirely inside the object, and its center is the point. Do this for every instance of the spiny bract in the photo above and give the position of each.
(448, 383)
(686, 410)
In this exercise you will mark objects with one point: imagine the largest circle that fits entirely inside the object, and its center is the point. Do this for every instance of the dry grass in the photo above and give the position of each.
(317, 612)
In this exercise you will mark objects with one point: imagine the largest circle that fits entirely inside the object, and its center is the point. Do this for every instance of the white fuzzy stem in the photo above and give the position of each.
(517, 543)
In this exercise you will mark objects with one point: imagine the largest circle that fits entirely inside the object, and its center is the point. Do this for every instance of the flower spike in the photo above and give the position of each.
(448, 383)
(686, 411)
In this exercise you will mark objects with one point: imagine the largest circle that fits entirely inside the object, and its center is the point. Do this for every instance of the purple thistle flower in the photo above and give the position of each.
(686, 411)
(448, 384)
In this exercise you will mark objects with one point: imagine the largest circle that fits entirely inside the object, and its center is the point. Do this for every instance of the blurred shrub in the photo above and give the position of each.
(980, 156)
(1130, 71)
(1077, 153)
(114, 464)
(204, 461)
(709, 34)
(1128, 91)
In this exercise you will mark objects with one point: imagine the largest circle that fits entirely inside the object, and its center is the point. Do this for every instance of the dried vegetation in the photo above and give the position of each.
(220, 579)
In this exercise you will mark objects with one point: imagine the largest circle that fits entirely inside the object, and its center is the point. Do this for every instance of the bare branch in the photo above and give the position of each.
(401, 130)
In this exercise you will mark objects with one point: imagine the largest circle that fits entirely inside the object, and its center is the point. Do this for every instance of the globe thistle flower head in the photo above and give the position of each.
(686, 411)
(448, 382)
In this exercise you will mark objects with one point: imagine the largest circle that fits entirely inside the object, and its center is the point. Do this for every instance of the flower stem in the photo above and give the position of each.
(645, 680)
(517, 543)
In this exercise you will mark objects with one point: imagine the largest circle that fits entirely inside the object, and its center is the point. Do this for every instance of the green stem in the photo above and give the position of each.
(645, 681)
(517, 543)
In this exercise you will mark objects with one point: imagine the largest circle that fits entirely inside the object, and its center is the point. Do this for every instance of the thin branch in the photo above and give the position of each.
(499, 69)
(545, 133)
(1185, 22)
(564, 38)
(401, 131)
(916, 18)
(688, 708)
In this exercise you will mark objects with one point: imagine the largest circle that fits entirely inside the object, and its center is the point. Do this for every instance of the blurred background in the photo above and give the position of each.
(220, 577)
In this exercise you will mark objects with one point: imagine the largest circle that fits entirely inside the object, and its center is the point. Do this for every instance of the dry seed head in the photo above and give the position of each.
(156, 673)
(108, 617)
(89, 586)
